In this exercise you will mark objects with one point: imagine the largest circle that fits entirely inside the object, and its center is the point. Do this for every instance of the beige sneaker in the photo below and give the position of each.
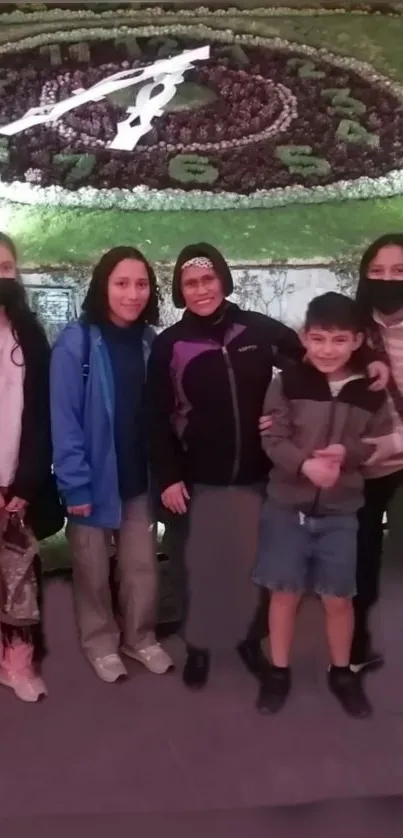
(154, 658)
(18, 673)
(110, 669)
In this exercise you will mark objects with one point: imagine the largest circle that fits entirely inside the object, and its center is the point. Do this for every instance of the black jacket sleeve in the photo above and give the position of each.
(35, 452)
(163, 445)
(285, 343)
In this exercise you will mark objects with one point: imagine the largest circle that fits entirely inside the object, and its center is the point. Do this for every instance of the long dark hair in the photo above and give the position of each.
(7, 242)
(23, 321)
(15, 305)
(362, 294)
(95, 306)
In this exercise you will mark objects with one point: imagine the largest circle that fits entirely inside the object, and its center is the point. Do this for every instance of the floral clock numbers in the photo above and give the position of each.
(261, 123)
(351, 131)
(300, 160)
(190, 168)
(4, 153)
(306, 69)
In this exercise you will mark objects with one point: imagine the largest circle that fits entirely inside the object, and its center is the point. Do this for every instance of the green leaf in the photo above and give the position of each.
(190, 168)
(350, 131)
(300, 160)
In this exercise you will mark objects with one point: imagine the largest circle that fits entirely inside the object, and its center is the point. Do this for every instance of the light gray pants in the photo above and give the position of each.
(138, 585)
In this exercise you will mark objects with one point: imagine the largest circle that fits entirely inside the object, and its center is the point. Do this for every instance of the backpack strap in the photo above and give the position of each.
(85, 360)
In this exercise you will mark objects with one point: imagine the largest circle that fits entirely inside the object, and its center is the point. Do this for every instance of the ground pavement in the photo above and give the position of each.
(150, 758)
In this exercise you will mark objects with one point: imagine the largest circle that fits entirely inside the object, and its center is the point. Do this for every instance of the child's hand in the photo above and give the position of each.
(335, 452)
(323, 472)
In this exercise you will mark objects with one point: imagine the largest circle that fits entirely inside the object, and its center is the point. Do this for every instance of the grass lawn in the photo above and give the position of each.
(329, 231)
(52, 237)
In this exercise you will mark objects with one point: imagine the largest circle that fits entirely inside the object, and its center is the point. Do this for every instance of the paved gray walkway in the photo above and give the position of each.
(148, 745)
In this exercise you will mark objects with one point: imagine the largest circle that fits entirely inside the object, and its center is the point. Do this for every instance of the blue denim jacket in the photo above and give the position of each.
(82, 413)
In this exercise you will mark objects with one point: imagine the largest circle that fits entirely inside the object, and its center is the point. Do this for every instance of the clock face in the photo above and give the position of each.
(250, 118)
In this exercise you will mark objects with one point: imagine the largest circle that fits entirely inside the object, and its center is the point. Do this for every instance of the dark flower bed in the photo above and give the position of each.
(258, 117)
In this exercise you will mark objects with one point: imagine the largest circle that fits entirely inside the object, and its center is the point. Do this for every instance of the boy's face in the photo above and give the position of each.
(330, 350)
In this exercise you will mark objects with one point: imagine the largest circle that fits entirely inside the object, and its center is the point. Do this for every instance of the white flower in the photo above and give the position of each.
(33, 176)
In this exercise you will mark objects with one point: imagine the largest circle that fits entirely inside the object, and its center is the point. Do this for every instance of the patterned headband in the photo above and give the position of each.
(198, 262)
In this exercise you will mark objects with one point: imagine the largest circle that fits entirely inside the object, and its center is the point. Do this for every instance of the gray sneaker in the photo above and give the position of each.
(153, 657)
(110, 668)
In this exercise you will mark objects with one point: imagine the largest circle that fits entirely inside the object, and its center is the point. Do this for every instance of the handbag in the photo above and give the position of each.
(18, 584)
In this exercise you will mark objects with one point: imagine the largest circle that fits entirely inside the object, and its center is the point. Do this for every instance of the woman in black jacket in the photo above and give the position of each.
(207, 378)
(27, 487)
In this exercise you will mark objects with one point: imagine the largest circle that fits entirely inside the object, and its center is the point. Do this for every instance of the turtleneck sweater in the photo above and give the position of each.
(125, 349)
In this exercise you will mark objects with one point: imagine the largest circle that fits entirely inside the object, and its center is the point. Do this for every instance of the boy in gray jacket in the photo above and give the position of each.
(326, 424)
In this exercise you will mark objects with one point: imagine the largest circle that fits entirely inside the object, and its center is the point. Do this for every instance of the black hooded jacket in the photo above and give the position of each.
(205, 388)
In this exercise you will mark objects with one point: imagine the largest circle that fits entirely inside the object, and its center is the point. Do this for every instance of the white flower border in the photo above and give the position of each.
(154, 200)
(50, 15)
(146, 199)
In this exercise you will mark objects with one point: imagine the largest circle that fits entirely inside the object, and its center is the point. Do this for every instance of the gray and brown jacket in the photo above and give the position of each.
(306, 418)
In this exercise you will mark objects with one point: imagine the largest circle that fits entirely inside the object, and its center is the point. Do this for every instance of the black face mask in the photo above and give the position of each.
(12, 294)
(386, 295)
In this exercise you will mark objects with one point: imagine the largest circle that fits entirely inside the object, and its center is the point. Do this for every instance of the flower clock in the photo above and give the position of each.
(259, 123)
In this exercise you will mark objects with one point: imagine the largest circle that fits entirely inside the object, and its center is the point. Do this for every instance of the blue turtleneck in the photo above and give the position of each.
(125, 348)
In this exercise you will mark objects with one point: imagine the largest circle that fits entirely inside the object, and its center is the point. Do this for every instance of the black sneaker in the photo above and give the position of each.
(275, 685)
(197, 669)
(347, 687)
(252, 657)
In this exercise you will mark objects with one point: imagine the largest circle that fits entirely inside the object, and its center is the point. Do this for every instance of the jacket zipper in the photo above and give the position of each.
(235, 407)
(327, 442)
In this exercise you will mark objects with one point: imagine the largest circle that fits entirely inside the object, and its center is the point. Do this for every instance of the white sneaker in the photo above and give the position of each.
(18, 673)
(110, 668)
(154, 658)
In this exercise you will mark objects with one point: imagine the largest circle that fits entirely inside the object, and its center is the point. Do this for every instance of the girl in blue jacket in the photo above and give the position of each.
(98, 373)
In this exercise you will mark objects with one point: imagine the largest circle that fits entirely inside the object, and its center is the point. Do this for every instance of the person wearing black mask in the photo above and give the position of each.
(27, 487)
(380, 297)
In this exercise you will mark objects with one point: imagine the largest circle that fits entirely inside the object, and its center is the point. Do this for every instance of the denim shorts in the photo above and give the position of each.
(299, 553)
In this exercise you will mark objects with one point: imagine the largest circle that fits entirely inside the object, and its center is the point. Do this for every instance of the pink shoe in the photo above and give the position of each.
(18, 673)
